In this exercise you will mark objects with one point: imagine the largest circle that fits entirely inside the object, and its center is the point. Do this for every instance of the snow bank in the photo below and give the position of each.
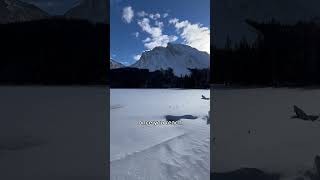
(53, 132)
(253, 129)
(159, 152)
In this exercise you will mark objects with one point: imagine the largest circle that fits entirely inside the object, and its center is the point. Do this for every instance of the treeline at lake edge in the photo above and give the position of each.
(54, 51)
(281, 55)
(143, 78)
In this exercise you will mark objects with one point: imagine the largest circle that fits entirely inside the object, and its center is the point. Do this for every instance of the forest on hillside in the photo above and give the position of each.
(54, 51)
(143, 78)
(282, 55)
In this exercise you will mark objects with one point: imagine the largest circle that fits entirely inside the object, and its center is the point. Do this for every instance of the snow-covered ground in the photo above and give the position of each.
(253, 128)
(53, 132)
(159, 152)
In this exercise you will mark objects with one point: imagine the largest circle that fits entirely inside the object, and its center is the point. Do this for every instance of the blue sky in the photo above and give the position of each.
(140, 25)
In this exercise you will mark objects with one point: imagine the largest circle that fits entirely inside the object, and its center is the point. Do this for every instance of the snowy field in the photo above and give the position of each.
(53, 132)
(159, 151)
(253, 128)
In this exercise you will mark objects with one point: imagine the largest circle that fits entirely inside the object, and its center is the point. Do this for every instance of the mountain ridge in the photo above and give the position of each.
(19, 11)
(115, 64)
(179, 57)
(92, 10)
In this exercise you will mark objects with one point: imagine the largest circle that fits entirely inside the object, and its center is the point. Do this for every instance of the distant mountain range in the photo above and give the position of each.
(18, 11)
(92, 10)
(95, 11)
(114, 64)
(179, 57)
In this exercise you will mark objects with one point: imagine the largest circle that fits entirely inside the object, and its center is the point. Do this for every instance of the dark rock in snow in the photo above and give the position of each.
(300, 114)
(205, 98)
(177, 118)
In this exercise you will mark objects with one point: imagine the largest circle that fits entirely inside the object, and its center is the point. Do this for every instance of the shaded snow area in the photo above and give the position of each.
(253, 128)
(53, 132)
(151, 151)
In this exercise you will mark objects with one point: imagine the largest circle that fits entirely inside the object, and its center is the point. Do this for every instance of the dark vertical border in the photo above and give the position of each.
(212, 34)
(107, 120)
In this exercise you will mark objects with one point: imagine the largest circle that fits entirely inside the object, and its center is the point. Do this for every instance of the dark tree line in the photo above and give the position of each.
(54, 51)
(282, 55)
(143, 78)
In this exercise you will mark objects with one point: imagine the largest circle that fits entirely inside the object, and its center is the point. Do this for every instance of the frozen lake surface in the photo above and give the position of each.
(158, 151)
(53, 132)
(253, 128)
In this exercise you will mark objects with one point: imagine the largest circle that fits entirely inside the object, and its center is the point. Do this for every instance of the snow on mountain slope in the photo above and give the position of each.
(92, 10)
(114, 64)
(179, 57)
(16, 11)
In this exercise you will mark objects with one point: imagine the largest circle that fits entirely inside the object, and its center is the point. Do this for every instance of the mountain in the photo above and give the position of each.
(114, 64)
(179, 57)
(17, 11)
(91, 10)
(229, 16)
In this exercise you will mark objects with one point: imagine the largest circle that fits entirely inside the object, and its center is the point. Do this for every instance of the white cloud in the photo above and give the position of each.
(157, 38)
(151, 16)
(136, 34)
(159, 24)
(126, 63)
(162, 40)
(194, 35)
(147, 40)
(155, 16)
(142, 14)
(136, 57)
(173, 21)
(145, 25)
(165, 15)
(127, 14)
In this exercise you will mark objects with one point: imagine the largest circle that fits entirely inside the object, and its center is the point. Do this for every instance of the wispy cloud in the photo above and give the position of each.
(127, 14)
(155, 16)
(126, 63)
(165, 15)
(194, 35)
(142, 14)
(173, 21)
(136, 34)
(159, 24)
(149, 15)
